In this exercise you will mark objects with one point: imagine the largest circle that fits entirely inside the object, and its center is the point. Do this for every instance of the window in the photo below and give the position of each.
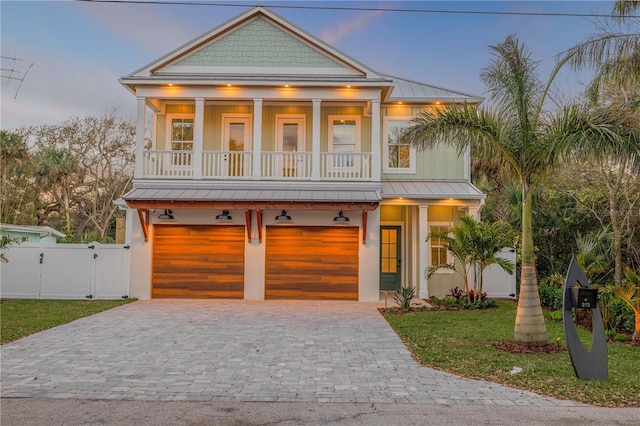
(180, 132)
(439, 253)
(399, 157)
(344, 139)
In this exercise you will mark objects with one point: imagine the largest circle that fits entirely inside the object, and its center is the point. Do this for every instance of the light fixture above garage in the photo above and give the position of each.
(283, 216)
(341, 217)
(224, 216)
(167, 215)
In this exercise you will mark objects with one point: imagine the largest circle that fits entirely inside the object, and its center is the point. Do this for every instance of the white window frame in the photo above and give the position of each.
(169, 132)
(449, 256)
(247, 120)
(330, 120)
(385, 154)
(300, 120)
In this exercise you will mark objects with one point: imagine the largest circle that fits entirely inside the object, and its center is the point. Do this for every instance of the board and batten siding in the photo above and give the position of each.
(439, 163)
(440, 284)
(212, 139)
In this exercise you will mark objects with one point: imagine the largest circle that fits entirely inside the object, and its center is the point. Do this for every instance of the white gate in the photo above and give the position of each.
(65, 271)
(496, 282)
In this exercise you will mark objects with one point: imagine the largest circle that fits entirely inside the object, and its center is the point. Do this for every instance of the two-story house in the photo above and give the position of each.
(268, 166)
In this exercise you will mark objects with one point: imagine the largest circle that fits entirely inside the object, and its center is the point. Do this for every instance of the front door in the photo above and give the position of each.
(236, 144)
(289, 142)
(390, 260)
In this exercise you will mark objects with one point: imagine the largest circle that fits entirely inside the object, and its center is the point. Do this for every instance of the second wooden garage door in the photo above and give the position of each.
(311, 263)
(198, 261)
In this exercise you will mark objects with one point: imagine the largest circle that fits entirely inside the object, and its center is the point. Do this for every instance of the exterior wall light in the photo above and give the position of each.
(283, 216)
(167, 215)
(341, 217)
(224, 216)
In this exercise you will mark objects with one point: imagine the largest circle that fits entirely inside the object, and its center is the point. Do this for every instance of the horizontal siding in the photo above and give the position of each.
(312, 263)
(193, 261)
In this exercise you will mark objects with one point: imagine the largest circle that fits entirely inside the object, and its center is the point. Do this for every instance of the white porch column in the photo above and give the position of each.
(198, 137)
(257, 138)
(140, 131)
(474, 212)
(376, 162)
(423, 231)
(315, 141)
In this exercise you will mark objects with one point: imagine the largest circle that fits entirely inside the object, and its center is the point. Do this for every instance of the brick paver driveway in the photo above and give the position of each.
(237, 351)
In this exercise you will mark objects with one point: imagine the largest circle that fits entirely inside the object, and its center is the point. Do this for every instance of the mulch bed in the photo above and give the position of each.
(516, 348)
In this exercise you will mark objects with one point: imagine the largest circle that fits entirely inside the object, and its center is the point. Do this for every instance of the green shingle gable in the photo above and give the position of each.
(258, 43)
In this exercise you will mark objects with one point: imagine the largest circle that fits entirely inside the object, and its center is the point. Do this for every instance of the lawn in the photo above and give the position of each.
(19, 318)
(461, 342)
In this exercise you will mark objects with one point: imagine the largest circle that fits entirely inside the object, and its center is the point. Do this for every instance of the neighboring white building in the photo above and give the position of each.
(264, 140)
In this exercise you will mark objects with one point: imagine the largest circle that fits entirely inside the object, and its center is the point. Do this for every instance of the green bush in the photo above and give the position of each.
(620, 337)
(404, 296)
(622, 317)
(551, 296)
(556, 315)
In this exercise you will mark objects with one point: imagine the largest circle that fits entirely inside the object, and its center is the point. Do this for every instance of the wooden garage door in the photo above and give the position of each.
(198, 261)
(311, 263)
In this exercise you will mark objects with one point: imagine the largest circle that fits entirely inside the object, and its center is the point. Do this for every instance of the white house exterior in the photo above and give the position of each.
(262, 139)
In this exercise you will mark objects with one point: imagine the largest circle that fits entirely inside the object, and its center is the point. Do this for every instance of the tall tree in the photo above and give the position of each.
(58, 170)
(614, 52)
(529, 142)
(14, 163)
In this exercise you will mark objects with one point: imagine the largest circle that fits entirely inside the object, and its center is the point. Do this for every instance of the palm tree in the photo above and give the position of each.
(528, 142)
(457, 241)
(614, 53)
(490, 239)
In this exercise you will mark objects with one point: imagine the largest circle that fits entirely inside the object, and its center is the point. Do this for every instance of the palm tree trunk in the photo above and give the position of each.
(530, 328)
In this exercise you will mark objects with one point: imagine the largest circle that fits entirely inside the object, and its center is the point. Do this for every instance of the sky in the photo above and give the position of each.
(75, 52)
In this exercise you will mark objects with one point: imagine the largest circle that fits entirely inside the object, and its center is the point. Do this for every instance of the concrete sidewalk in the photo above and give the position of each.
(235, 351)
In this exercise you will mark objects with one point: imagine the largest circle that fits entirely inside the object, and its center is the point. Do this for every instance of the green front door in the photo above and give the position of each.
(390, 258)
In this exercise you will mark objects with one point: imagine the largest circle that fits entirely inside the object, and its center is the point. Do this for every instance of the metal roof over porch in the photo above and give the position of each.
(249, 195)
(433, 189)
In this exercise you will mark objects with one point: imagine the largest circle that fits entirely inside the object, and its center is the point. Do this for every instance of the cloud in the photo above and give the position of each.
(345, 28)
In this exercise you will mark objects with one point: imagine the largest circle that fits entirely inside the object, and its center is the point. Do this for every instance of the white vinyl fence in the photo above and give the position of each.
(496, 282)
(65, 271)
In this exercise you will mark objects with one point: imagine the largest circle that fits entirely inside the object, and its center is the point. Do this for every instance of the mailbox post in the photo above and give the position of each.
(578, 294)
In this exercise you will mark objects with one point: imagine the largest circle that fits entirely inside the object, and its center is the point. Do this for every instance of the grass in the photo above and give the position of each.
(19, 318)
(461, 342)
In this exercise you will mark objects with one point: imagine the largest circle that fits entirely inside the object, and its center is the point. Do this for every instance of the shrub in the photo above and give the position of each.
(551, 296)
(556, 315)
(620, 337)
(457, 292)
(404, 296)
(622, 317)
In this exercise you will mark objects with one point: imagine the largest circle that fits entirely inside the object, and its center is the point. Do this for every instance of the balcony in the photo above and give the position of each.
(233, 165)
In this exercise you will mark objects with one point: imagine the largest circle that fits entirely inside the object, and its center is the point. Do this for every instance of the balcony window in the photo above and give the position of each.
(344, 138)
(181, 138)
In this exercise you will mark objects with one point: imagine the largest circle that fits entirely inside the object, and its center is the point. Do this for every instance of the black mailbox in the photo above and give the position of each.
(583, 297)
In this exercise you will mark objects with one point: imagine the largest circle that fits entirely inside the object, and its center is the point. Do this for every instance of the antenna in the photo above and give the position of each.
(11, 72)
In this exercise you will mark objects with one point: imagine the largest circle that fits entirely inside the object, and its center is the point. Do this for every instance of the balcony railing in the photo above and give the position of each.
(273, 165)
(227, 164)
